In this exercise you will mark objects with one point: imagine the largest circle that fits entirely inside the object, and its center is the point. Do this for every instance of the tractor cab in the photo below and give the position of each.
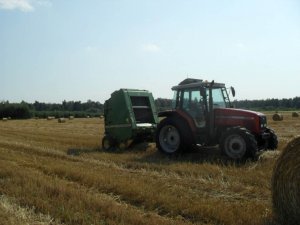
(192, 97)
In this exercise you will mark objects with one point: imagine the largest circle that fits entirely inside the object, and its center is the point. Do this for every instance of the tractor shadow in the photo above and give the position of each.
(197, 155)
(148, 153)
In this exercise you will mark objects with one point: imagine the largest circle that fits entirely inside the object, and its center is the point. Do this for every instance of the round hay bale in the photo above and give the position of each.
(277, 117)
(50, 117)
(286, 184)
(71, 117)
(295, 114)
(61, 120)
(4, 119)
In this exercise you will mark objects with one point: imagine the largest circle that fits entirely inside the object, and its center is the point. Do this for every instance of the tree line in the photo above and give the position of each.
(26, 110)
(91, 108)
(270, 104)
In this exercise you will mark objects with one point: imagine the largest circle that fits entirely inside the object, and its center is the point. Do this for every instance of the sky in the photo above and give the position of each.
(55, 50)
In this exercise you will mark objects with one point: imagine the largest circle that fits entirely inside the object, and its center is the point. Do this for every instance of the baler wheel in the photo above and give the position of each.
(107, 143)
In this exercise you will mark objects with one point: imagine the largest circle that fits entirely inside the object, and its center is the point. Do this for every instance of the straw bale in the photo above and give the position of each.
(50, 117)
(277, 117)
(61, 120)
(286, 184)
(71, 117)
(295, 114)
(4, 119)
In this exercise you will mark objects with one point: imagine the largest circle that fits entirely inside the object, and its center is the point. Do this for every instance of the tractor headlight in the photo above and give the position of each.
(263, 121)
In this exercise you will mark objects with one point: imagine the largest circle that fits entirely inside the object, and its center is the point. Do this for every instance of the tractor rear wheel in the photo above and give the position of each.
(237, 143)
(172, 137)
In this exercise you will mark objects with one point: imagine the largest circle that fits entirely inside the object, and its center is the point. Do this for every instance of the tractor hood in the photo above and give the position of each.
(253, 121)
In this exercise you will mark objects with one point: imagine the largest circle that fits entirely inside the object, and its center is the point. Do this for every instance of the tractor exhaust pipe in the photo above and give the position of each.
(211, 112)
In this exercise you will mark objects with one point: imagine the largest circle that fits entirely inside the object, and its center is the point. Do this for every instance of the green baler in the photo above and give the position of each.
(130, 115)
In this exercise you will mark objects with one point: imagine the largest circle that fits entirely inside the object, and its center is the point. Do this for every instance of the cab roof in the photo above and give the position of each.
(189, 83)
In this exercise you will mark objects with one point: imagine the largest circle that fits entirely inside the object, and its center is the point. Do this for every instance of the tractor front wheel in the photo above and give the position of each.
(273, 141)
(238, 143)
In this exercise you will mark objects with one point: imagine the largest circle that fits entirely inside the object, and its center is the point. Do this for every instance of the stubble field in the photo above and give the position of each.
(57, 173)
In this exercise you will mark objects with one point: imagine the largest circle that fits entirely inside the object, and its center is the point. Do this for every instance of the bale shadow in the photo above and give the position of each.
(79, 151)
(133, 147)
(271, 221)
(136, 147)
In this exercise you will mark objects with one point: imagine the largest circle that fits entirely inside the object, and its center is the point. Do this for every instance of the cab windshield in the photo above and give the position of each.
(220, 98)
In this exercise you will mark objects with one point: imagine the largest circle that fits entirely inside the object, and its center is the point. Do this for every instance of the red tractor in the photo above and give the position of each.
(203, 115)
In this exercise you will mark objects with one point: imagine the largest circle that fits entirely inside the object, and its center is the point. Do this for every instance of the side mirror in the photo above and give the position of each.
(232, 91)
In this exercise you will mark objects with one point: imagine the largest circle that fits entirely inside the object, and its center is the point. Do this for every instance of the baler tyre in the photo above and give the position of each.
(273, 141)
(107, 143)
(171, 137)
(237, 143)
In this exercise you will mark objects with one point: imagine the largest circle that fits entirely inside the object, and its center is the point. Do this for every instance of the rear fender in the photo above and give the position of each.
(184, 120)
(180, 115)
(167, 113)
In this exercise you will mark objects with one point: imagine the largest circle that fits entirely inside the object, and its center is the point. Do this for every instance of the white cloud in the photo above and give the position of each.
(23, 5)
(151, 48)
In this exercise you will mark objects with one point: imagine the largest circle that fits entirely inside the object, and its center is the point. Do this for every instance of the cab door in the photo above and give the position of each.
(193, 104)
